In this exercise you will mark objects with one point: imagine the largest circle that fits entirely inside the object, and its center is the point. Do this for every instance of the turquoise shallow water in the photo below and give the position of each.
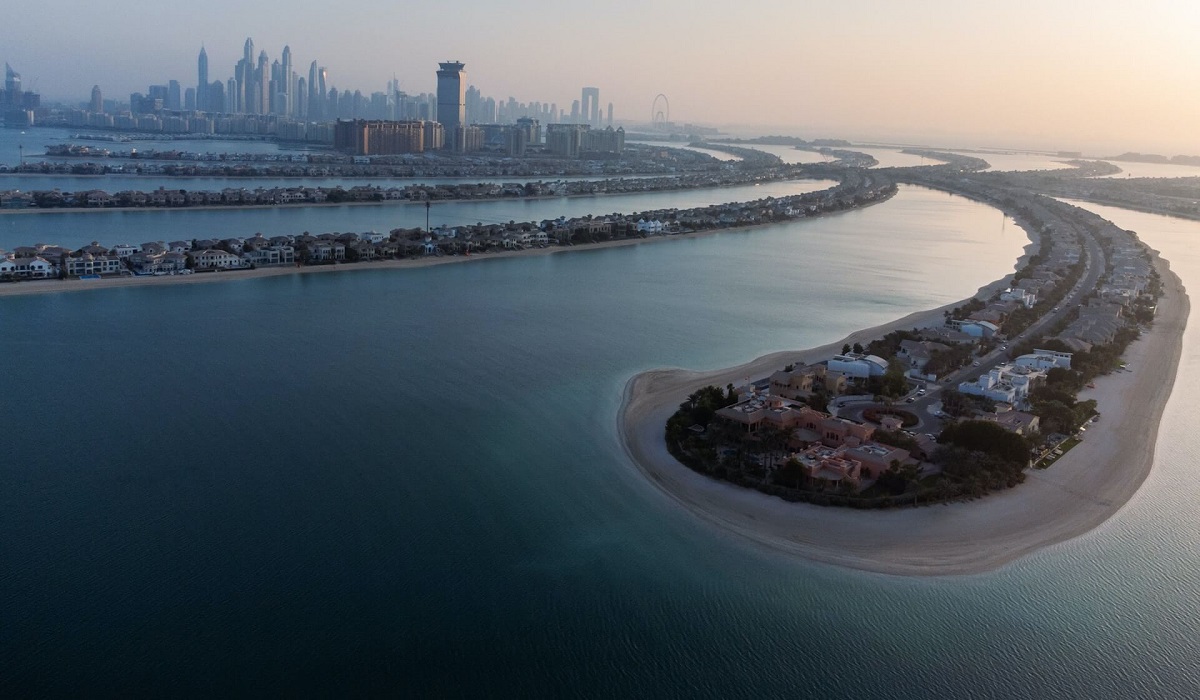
(411, 483)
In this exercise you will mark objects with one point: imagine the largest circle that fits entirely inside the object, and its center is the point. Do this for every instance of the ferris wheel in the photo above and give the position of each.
(660, 112)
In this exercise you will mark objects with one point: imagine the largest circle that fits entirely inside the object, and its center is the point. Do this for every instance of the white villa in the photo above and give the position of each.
(858, 366)
(1045, 360)
(1007, 383)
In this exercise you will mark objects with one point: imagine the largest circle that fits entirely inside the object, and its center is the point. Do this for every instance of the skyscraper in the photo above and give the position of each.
(287, 83)
(215, 97)
(277, 97)
(314, 94)
(245, 79)
(262, 84)
(322, 98)
(12, 80)
(97, 105)
(12, 86)
(174, 99)
(589, 106)
(202, 80)
(451, 95)
(301, 99)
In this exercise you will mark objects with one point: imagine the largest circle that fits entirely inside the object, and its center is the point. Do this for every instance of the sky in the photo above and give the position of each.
(1100, 76)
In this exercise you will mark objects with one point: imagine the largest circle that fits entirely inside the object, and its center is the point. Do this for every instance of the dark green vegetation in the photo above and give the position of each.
(943, 362)
(957, 404)
(976, 457)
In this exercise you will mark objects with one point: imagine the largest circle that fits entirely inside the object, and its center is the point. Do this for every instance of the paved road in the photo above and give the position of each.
(1094, 265)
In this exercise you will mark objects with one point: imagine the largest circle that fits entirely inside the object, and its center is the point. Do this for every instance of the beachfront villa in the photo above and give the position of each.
(1007, 383)
(1045, 360)
(1018, 422)
(215, 259)
(830, 449)
(943, 334)
(919, 352)
(31, 267)
(806, 424)
(92, 264)
(802, 381)
(858, 365)
(1025, 297)
(829, 465)
(974, 328)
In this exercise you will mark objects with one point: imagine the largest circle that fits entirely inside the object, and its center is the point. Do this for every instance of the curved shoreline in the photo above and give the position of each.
(1078, 493)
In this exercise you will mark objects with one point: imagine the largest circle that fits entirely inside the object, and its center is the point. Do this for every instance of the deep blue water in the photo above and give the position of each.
(410, 483)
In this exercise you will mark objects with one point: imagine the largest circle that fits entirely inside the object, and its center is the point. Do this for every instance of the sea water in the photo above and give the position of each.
(410, 482)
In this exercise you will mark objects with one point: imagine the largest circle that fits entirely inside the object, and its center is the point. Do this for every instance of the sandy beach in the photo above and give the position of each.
(1079, 492)
(80, 285)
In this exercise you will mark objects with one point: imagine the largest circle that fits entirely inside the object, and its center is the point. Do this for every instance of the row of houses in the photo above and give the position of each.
(233, 253)
(164, 197)
(1127, 284)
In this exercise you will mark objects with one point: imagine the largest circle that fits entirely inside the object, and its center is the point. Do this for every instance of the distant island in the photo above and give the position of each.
(1133, 157)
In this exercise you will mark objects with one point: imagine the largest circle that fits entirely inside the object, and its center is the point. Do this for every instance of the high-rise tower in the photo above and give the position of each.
(314, 95)
(451, 95)
(262, 85)
(287, 82)
(97, 105)
(301, 99)
(322, 79)
(589, 106)
(202, 80)
(12, 85)
(245, 79)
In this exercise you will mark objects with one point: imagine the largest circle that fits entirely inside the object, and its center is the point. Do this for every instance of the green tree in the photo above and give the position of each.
(894, 383)
(986, 437)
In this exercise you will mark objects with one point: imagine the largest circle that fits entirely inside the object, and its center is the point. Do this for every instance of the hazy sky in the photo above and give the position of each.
(1095, 76)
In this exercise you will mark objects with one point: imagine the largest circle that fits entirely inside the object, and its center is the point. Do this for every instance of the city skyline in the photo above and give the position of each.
(1117, 77)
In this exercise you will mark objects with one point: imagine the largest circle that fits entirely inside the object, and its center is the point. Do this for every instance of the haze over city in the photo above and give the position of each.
(1107, 77)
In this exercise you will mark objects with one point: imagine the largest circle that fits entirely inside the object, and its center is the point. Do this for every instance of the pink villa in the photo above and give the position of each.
(785, 414)
(831, 449)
